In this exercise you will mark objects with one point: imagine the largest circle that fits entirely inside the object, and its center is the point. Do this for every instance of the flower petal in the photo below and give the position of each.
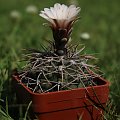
(53, 12)
(47, 18)
(49, 13)
(60, 13)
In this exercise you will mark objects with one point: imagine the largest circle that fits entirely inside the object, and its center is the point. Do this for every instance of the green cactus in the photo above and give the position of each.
(60, 66)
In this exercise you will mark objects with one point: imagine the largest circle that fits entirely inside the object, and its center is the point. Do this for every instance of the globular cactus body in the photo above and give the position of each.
(62, 67)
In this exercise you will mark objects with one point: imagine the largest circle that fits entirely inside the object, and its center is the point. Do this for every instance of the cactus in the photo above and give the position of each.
(61, 66)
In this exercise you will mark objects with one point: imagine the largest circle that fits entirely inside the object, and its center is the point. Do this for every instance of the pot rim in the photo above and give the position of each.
(106, 83)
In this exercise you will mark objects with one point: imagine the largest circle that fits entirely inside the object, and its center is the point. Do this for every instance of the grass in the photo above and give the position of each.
(99, 18)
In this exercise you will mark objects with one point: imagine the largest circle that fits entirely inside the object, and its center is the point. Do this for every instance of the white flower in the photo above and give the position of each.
(60, 15)
(15, 14)
(31, 9)
(85, 36)
(61, 19)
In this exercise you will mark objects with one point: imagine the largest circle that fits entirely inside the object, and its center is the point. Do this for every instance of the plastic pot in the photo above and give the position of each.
(86, 103)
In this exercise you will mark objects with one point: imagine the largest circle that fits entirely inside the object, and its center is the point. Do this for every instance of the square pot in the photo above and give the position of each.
(87, 103)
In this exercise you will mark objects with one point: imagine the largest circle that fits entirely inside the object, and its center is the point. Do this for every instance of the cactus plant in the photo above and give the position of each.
(61, 66)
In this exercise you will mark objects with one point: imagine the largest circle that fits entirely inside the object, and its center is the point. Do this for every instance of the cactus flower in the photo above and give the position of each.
(61, 19)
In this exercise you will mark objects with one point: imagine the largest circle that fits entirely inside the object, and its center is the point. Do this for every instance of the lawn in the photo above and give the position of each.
(99, 18)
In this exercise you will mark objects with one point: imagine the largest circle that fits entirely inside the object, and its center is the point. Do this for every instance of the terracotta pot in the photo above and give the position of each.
(87, 102)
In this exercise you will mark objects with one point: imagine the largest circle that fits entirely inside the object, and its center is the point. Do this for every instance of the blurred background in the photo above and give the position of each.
(98, 29)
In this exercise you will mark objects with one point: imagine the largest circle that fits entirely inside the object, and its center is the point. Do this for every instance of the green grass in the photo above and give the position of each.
(100, 18)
